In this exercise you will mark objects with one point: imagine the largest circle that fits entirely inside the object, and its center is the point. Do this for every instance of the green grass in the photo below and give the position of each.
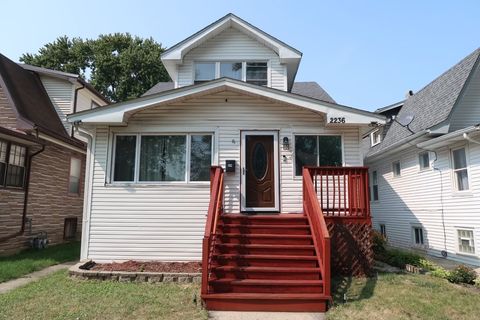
(59, 297)
(15, 266)
(403, 296)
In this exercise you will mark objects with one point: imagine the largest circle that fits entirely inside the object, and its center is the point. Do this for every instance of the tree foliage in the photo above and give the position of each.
(118, 65)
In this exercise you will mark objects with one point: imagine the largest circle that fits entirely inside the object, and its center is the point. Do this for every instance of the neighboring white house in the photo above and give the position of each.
(233, 98)
(425, 167)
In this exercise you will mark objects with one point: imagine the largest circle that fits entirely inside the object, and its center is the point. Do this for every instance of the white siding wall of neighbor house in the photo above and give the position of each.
(166, 222)
(85, 99)
(415, 199)
(233, 45)
(467, 113)
(61, 93)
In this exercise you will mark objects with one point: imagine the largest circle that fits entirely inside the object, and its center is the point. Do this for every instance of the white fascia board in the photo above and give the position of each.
(116, 114)
(448, 138)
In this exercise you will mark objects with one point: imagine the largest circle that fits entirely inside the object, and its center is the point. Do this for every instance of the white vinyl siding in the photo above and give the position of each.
(415, 199)
(166, 222)
(61, 94)
(233, 45)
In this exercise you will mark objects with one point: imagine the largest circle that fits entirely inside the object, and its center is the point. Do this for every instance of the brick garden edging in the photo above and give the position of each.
(78, 271)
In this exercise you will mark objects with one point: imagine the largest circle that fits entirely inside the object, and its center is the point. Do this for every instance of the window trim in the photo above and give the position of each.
(136, 174)
(372, 141)
(420, 161)
(3, 184)
(316, 135)
(414, 242)
(79, 178)
(244, 69)
(394, 174)
(453, 170)
(457, 248)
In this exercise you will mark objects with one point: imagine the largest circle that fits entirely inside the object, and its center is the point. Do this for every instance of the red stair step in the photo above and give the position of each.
(265, 239)
(266, 286)
(286, 249)
(278, 219)
(266, 260)
(278, 273)
(280, 302)
(265, 229)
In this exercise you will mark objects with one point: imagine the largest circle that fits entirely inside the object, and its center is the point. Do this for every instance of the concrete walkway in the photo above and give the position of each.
(237, 315)
(31, 277)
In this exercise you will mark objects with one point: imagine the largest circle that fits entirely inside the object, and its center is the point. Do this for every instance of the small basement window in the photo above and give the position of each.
(466, 243)
(424, 160)
(397, 171)
(418, 236)
(70, 228)
(383, 230)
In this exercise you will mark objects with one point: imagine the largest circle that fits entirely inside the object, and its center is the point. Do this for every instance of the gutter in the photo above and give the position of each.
(437, 142)
(25, 199)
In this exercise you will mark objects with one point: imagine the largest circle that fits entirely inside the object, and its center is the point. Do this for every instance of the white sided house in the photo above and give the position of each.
(425, 167)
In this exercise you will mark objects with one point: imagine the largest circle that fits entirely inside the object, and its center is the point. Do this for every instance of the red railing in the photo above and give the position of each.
(342, 191)
(320, 235)
(215, 209)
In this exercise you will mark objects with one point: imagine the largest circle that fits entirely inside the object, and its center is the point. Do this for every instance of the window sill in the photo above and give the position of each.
(469, 255)
(203, 184)
(462, 194)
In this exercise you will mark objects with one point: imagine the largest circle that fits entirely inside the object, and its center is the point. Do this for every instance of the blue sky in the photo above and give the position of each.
(366, 54)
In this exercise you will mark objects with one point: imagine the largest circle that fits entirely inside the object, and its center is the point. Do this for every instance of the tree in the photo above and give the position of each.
(118, 65)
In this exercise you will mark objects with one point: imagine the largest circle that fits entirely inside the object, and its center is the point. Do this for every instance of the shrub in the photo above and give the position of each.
(378, 242)
(440, 272)
(399, 258)
(462, 274)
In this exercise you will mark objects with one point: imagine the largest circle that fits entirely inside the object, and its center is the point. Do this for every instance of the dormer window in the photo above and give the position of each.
(257, 73)
(204, 71)
(251, 72)
(375, 137)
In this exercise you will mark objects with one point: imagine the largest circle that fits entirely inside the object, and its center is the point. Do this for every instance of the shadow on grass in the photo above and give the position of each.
(349, 289)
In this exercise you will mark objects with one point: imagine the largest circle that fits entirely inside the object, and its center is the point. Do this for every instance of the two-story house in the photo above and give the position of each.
(41, 162)
(425, 167)
(217, 160)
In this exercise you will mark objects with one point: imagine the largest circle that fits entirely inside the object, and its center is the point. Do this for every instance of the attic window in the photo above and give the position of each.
(375, 137)
(204, 71)
(257, 73)
(231, 70)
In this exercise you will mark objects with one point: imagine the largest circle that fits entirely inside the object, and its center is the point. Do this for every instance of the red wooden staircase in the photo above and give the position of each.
(265, 262)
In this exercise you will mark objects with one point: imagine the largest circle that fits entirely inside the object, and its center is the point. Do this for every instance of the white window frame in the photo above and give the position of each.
(420, 168)
(457, 249)
(414, 242)
(244, 68)
(383, 229)
(292, 143)
(72, 159)
(395, 175)
(373, 141)
(136, 180)
(454, 176)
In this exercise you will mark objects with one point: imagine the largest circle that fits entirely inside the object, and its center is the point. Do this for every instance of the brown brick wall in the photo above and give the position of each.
(8, 118)
(49, 202)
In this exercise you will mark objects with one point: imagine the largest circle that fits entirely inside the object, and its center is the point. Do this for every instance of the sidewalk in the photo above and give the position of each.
(31, 277)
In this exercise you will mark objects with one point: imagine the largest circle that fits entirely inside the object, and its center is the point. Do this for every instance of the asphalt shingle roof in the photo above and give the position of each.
(431, 105)
(159, 87)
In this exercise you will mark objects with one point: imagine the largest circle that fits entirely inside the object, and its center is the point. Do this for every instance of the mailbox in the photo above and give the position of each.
(230, 166)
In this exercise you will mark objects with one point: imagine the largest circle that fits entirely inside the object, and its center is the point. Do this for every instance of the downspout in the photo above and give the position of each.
(75, 99)
(25, 198)
(87, 196)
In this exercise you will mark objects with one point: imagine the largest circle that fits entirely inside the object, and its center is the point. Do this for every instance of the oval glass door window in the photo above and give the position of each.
(259, 161)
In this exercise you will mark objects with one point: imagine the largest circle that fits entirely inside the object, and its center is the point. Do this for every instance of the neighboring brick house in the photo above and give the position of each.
(41, 162)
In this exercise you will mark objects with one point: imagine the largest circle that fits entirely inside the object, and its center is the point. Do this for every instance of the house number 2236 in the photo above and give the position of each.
(337, 120)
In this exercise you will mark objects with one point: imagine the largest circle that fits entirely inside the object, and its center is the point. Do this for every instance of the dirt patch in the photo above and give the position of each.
(150, 266)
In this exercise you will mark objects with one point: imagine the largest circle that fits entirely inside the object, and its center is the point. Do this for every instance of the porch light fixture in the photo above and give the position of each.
(286, 143)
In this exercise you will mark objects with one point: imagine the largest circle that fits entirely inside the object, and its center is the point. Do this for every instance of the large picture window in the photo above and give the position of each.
(13, 160)
(317, 151)
(162, 158)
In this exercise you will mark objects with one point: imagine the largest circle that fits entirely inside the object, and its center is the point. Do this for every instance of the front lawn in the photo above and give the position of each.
(403, 296)
(60, 297)
(15, 266)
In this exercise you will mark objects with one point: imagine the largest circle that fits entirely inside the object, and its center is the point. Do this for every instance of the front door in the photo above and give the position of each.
(260, 171)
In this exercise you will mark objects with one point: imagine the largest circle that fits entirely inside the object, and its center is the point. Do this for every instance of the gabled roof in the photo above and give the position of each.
(308, 89)
(29, 99)
(119, 113)
(287, 54)
(432, 105)
(311, 89)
